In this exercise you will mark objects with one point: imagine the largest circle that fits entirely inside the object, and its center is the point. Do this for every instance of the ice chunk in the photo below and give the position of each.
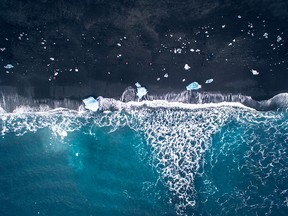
(141, 91)
(193, 86)
(279, 38)
(209, 81)
(8, 66)
(177, 50)
(166, 75)
(138, 85)
(52, 59)
(254, 72)
(265, 35)
(187, 67)
(91, 104)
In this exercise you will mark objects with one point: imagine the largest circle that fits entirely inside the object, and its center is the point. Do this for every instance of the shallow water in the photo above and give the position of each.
(148, 161)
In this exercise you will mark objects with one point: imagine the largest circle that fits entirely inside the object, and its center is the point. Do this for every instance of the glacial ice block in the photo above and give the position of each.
(91, 104)
(141, 91)
(193, 86)
(9, 66)
(209, 81)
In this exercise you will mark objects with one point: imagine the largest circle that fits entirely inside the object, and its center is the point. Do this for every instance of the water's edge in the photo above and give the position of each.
(10, 102)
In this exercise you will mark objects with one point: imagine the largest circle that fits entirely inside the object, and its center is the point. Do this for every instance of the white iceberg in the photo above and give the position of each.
(254, 72)
(9, 66)
(91, 104)
(141, 91)
(193, 86)
(209, 81)
(186, 67)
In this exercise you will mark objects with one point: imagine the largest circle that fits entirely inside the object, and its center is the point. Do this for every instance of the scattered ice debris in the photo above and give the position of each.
(158, 79)
(77, 154)
(230, 44)
(279, 38)
(91, 104)
(254, 72)
(118, 44)
(197, 50)
(52, 59)
(2, 49)
(192, 50)
(76, 69)
(265, 35)
(141, 91)
(187, 67)
(166, 75)
(239, 16)
(9, 66)
(209, 81)
(193, 86)
(109, 72)
(119, 55)
(183, 80)
(223, 26)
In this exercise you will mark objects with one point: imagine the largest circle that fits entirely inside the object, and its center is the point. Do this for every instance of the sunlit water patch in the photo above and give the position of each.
(146, 161)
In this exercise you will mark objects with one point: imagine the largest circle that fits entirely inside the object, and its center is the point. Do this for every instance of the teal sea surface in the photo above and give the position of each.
(147, 161)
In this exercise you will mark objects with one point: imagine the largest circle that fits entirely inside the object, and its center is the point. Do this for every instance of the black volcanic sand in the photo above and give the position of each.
(72, 49)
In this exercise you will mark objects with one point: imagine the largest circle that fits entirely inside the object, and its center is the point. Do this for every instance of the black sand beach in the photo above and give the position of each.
(73, 49)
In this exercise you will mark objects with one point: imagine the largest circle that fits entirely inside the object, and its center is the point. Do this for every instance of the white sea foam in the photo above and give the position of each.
(179, 134)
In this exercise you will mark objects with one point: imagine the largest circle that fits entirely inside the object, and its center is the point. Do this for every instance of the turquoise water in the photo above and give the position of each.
(162, 161)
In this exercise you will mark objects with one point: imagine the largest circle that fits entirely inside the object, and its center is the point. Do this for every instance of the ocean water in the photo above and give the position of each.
(224, 160)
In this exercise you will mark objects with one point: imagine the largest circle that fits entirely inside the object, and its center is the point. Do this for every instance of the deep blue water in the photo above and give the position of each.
(208, 161)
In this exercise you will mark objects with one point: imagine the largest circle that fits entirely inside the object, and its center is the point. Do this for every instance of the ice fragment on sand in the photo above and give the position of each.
(193, 86)
(141, 91)
(187, 67)
(254, 72)
(279, 38)
(209, 81)
(9, 66)
(91, 104)
(178, 50)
